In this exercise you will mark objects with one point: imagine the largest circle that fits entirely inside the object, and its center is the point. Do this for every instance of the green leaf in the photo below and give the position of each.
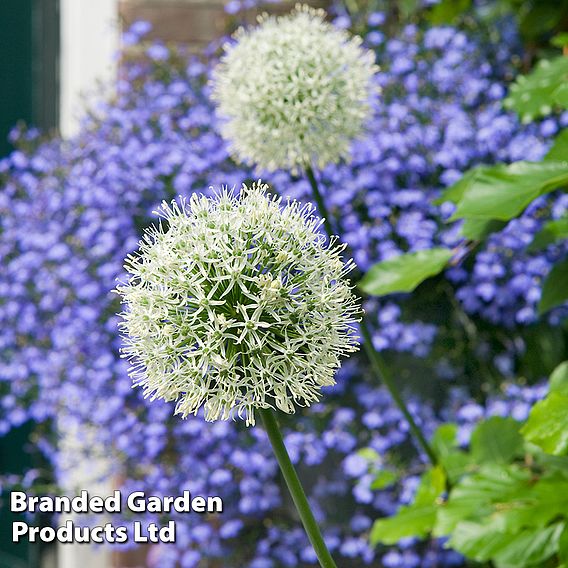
(383, 478)
(560, 96)
(554, 288)
(538, 18)
(455, 192)
(535, 505)
(497, 440)
(560, 40)
(501, 513)
(550, 233)
(504, 191)
(559, 150)
(408, 8)
(444, 440)
(525, 548)
(476, 541)
(445, 445)
(548, 461)
(405, 272)
(369, 454)
(563, 546)
(503, 500)
(559, 379)
(409, 521)
(532, 95)
(530, 547)
(457, 464)
(446, 11)
(475, 496)
(432, 485)
(417, 519)
(479, 229)
(547, 425)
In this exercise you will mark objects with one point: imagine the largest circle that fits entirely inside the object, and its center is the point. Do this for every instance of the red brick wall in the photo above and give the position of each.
(192, 22)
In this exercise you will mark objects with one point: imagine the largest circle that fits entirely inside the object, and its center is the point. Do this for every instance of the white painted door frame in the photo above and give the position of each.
(89, 42)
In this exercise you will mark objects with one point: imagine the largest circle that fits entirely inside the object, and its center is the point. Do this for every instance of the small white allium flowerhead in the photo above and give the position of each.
(236, 303)
(294, 91)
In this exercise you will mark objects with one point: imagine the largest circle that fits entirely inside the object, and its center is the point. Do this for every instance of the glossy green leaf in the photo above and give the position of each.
(444, 441)
(559, 379)
(496, 440)
(560, 40)
(554, 288)
(370, 455)
(476, 495)
(539, 503)
(560, 96)
(457, 464)
(504, 191)
(563, 546)
(432, 485)
(445, 445)
(504, 500)
(476, 541)
(479, 229)
(446, 11)
(410, 521)
(417, 519)
(524, 548)
(547, 425)
(405, 272)
(551, 232)
(531, 547)
(549, 462)
(559, 150)
(383, 478)
(532, 95)
(455, 192)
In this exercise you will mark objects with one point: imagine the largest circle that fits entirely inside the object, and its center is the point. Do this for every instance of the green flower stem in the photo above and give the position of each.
(384, 374)
(319, 201)
(295, 488)
(377, 362)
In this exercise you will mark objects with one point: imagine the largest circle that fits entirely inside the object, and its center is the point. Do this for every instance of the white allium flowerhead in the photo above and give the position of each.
(236, 303)
(294, 91)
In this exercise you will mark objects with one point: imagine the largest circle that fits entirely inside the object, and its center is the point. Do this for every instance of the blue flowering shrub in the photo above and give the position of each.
(70, 211)
(502, 501)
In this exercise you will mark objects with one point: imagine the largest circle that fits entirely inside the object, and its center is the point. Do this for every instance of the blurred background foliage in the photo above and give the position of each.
(537, 20)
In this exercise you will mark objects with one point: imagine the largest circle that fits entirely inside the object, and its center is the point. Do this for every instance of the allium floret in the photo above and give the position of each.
(294, 91)
(236, 303)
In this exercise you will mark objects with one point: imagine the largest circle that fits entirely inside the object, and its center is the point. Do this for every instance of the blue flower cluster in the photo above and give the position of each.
(505, 283)
(440, 113)
(70, 211)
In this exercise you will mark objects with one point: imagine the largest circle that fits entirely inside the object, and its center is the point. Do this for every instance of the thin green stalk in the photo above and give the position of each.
(296, 489)
(319, 201)
(377, 362)
(384, 374)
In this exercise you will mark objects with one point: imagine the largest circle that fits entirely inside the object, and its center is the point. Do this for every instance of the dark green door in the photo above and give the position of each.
(28, 92)
(29, 54)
